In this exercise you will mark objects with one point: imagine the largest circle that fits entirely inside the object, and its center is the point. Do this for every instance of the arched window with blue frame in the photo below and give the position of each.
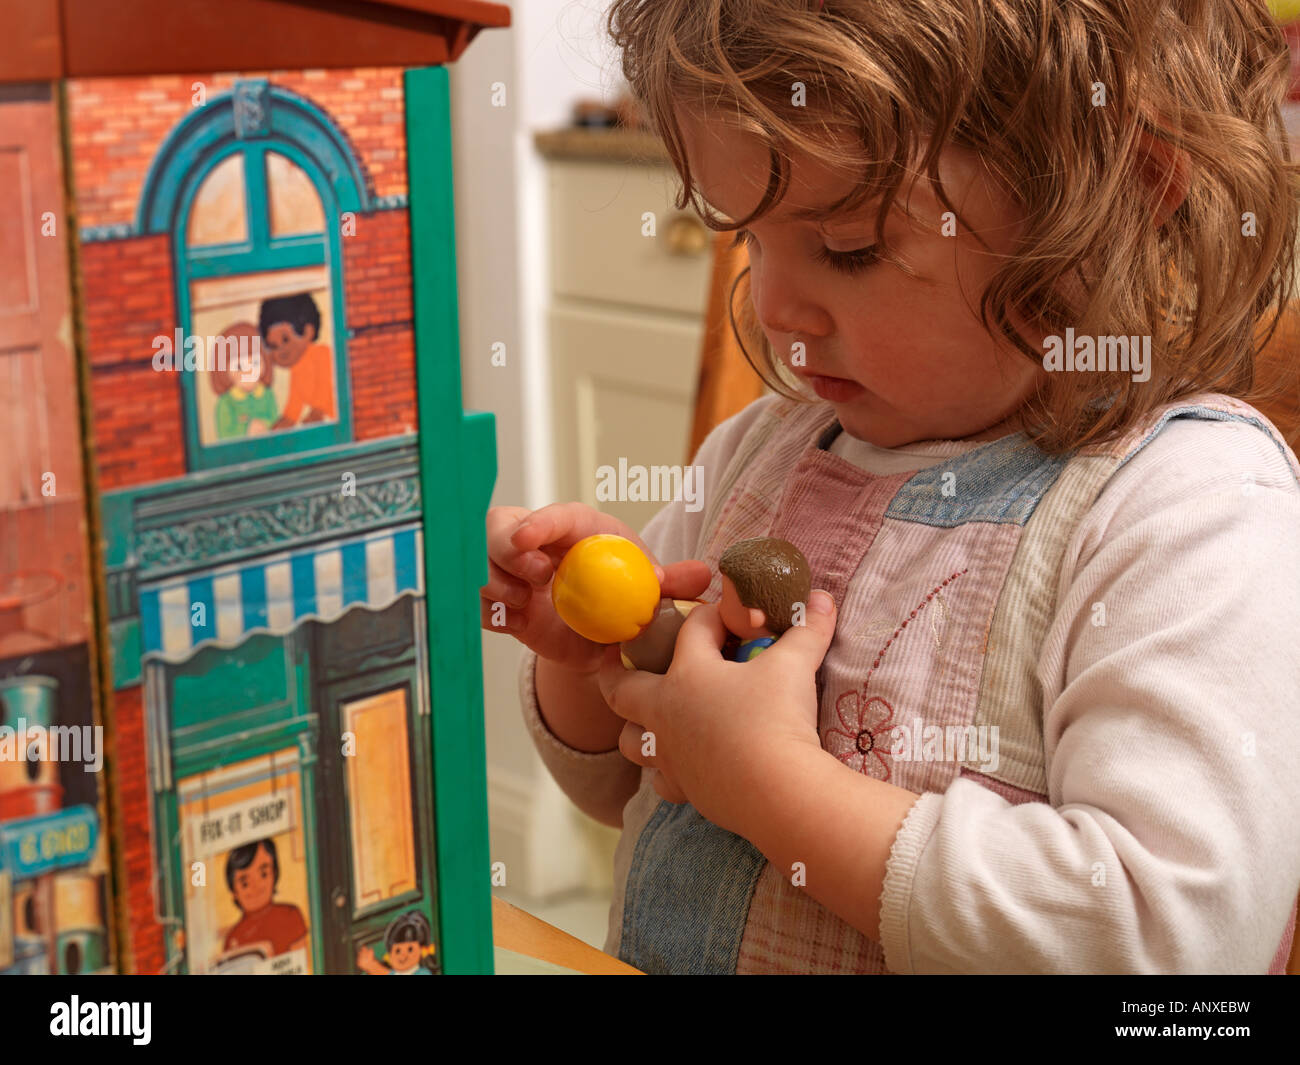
(251, 188)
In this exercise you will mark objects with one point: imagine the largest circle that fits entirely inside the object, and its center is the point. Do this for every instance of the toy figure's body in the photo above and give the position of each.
(751, 648)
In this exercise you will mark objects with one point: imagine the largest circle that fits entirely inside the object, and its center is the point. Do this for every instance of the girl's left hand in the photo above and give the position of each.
(716, 729)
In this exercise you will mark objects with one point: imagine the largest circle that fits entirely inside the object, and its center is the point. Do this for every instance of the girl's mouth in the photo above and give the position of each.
(835, 389)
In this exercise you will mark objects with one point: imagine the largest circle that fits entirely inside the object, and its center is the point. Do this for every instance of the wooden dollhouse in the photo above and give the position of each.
(242, 507)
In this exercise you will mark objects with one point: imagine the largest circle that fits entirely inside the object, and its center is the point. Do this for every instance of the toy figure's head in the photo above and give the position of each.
(407, 940)
(762, 580)
(243, 363)
(289, 325)
(252, 872)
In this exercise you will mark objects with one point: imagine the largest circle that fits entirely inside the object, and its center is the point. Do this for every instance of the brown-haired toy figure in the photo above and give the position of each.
(764, 581)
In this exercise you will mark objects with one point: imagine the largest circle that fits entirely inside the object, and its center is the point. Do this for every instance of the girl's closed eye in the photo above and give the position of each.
(845, 262)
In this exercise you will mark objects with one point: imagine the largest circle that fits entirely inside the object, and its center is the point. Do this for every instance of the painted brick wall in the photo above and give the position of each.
(381, 353)
(144, 934)
(118, 124)
(129, 300)
(136, 412)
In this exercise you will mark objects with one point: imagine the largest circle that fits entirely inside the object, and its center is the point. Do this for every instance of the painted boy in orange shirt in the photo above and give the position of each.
(290, 326)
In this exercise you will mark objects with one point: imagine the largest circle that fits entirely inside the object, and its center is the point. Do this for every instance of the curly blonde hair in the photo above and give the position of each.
(1189, 116)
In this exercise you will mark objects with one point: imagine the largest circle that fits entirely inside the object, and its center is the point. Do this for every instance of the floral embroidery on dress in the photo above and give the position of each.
(863, 740)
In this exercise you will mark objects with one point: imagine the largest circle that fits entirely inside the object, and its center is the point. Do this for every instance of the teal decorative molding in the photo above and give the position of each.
(209, 131)
(273, 525)
(98, 234)
(252, 106)
(230, 514)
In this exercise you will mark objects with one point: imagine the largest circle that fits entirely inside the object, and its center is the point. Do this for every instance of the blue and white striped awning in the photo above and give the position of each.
(276, 593)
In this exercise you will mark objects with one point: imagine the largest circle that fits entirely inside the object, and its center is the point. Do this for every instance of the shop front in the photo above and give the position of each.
(287, 706)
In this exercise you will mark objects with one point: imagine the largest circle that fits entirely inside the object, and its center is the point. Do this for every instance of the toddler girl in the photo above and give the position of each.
(1043, 714)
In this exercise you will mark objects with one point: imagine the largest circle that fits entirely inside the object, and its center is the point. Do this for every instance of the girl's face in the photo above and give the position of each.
(900, 358)
(404, 955)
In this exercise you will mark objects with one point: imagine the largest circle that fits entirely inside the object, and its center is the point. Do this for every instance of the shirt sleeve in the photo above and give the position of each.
(598, 780)
(1171, 736)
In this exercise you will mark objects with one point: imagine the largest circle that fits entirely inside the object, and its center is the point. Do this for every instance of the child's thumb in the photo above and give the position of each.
(813, 629)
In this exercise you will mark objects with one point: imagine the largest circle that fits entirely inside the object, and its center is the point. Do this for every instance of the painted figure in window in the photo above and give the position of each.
(267, 927)
(246, 406)
(290, 327)
(408, 949)
(765, 587)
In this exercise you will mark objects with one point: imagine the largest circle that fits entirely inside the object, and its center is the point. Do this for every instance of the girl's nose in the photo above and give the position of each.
(784, 303)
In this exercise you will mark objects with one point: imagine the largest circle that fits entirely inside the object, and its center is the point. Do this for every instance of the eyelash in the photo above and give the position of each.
(846, 262)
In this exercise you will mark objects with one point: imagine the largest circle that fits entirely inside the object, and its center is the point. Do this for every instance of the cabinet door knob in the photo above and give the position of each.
(687, 235)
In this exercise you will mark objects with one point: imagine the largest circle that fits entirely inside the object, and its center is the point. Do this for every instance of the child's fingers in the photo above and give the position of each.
(702, 633)
(812, 639)
(499, 619)
(557, 527)
(685, 580)
(531, 566)
(631, 743)
(502, 587)
(625, 689)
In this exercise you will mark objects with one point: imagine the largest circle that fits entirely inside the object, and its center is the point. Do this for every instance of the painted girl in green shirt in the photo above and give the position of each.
(243, 408)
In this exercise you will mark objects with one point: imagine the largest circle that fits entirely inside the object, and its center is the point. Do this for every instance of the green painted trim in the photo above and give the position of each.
(210, 754)
(458, 468)
(124, 636)
(257, 202)
(203, 265)
(168, 864)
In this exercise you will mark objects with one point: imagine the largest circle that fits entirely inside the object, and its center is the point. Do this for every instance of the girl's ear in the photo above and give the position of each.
(1167, 173)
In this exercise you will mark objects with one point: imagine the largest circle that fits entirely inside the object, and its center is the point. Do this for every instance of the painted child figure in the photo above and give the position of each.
(409, 949)
(765, 587)
(290, 328)
(245, 405)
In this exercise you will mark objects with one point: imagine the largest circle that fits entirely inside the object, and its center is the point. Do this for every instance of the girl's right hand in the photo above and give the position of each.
(524, 549)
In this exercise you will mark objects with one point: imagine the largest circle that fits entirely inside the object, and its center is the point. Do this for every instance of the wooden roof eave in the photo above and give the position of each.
(45, 40)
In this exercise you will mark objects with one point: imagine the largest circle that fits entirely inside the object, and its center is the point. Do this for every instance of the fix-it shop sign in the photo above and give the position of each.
(228, 827)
